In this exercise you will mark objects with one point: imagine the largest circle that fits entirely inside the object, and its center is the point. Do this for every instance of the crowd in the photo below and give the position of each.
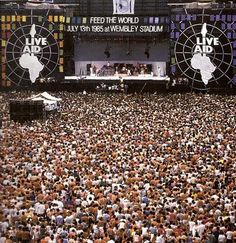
(116, 168)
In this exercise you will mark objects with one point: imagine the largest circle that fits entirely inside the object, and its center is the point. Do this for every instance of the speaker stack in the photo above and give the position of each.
(26, 110)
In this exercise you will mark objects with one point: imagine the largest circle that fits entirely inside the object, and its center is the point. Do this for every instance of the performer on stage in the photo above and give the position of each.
(123, 69)
(158, 72)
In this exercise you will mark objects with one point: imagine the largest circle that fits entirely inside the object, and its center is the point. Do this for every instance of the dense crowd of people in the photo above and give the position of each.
(116, 168)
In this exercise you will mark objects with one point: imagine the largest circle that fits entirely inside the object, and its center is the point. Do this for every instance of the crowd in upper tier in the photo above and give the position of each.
(121, 168)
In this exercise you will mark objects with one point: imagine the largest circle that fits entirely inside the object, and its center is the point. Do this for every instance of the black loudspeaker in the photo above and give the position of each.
(88, 68)
(149, 68)
(27, 110)
(69, 65)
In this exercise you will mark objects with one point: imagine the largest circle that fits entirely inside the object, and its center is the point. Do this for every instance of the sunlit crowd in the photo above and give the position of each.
(120, 168)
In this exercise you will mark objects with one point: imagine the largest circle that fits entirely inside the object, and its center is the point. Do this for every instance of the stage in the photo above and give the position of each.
(141, 83)
(117, 79)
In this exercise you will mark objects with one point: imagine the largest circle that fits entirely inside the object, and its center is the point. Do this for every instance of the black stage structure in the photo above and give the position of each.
(26, 110)
(134, 45)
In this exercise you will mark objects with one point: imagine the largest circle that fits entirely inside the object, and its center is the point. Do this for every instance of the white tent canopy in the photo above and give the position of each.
(45, 101)
(49, 101)
(46, 96)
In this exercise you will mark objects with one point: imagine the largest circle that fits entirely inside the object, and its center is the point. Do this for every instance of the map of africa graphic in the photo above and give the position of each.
(30, 60)
(202, 62)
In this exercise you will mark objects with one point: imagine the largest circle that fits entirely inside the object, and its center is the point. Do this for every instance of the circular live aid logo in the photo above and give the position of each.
(204, 54)
(31, 53)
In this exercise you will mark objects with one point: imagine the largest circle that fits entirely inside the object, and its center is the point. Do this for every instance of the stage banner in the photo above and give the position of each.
(117, 24)
(123, 6)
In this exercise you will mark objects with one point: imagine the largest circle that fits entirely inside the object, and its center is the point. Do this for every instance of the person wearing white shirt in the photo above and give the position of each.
(200, 229)
(52, 239)
(160, 239)
(99, 213)
(191, 225)
(122, 224)
(39, 208)
(144, 231)
(221, 238)
(229, 236)
(3, 239)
